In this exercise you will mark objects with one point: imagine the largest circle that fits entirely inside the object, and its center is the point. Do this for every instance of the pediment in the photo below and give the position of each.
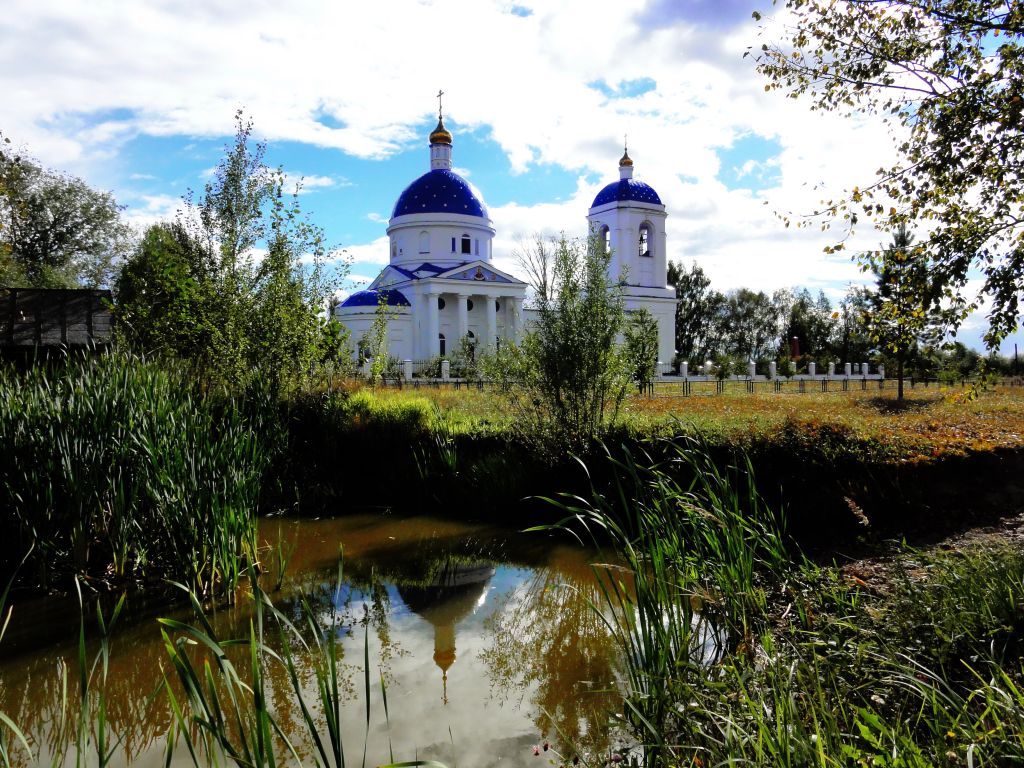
(478, 272)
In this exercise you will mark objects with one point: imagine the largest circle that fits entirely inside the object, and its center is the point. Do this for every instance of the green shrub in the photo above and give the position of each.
(115, 467)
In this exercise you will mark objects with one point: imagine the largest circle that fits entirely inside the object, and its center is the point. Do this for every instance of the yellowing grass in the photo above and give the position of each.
(931, 422)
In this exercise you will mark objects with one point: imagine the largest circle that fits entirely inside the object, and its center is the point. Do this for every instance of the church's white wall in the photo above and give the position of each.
(359, 321)
(623, 221)
(421, 237)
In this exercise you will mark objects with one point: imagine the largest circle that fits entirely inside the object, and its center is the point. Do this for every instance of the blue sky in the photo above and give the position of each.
(139, 98)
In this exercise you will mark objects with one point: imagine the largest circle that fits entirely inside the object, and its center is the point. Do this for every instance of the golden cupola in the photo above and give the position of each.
(440, 135)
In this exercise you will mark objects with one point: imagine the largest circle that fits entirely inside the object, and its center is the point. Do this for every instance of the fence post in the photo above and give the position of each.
(847, 370)
(772, 370)
(812, 368)
(684, 369)
(445, 370)
(407, 370)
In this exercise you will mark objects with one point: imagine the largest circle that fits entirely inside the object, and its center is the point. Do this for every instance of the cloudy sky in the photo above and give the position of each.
(139, 98)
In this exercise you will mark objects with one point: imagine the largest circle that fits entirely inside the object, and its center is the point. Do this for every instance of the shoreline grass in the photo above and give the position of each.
(816, 669)
(117, 470)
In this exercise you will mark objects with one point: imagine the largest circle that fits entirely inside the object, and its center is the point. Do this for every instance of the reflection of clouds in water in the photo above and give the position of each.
(475, 728)
(482, 732)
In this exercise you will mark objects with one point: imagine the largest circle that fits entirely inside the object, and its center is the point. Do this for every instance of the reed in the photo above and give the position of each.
(736, 651)
(225, 715)
(699, 549)
(117, 468)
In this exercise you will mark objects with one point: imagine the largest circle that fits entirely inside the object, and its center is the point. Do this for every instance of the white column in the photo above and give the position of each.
(433, 325)
(463, 326)
(492, 322)
(516, 319)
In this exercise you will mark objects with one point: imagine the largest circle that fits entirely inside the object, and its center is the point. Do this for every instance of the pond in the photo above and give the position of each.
(485, 641)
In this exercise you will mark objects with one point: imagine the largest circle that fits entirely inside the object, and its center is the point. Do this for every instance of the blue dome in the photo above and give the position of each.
(439, 191)
(627, 189)
(370, 298)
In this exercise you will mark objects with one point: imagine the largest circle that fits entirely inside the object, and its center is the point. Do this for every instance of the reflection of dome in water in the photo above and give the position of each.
(448, 599)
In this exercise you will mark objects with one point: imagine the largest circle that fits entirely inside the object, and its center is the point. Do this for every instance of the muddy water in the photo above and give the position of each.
(486, 641)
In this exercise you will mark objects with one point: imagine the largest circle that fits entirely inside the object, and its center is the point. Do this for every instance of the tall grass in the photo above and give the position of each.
(737, 652)
(699, 547)
(114, 467)
(225, 715)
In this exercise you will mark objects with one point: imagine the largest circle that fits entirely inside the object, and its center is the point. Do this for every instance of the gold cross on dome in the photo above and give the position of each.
(439, 95)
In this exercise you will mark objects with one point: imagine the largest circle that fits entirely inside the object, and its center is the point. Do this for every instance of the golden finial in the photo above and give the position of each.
(440, 135)
(626, 160)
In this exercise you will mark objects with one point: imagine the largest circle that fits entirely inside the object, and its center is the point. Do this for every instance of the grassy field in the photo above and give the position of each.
(931, 422)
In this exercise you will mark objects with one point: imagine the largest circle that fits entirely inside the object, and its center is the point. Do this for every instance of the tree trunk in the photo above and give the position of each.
(899, 378)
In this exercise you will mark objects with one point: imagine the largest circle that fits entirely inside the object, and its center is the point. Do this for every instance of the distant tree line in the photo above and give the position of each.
(897, 323)
(236, 287)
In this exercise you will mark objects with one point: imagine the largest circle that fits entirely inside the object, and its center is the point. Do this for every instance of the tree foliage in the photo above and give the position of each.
(949, 77)
(750, 325)
(640, 347)
(697, 309)
(567, 378)
(375, 341)
(160, 302)
(237, 286)
(813, 323)
(55, 230)
(906, 304)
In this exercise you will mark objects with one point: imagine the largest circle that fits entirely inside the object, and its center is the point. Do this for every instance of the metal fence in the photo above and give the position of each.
(676, 386)
(669, 386)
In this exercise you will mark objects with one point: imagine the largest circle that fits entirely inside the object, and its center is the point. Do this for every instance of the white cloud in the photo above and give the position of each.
(308, 183)
(150, 209)
(82, 79)
(375, 252)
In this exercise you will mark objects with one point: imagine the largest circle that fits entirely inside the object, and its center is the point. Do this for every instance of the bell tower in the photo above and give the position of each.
(630, 217)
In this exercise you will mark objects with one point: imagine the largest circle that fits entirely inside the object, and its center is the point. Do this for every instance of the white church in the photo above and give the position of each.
(441, 284)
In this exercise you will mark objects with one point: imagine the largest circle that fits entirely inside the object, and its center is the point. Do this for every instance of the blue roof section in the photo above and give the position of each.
(426, 266)
(370, 298)
(403, 271)
(625, 190)
(439, 191)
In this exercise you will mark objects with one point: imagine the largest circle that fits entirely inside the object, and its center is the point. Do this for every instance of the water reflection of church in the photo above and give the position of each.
(445, 600)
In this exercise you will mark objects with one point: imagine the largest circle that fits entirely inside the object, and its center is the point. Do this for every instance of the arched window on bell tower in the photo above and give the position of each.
(646, 238)
(606, 238)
